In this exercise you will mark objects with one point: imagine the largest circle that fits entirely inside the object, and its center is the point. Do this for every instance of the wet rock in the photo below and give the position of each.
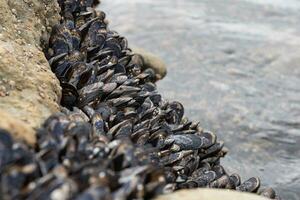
(152, 61)
(210, 194)
(29, 91)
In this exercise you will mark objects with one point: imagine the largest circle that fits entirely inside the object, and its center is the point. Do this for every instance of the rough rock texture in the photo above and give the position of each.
(18, 128)
(210, 194)
(29, 91)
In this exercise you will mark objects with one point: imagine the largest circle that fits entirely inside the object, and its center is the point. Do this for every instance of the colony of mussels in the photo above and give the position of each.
(116, 138)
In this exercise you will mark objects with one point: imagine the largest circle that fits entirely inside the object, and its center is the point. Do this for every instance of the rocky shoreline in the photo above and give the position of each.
(67, 119)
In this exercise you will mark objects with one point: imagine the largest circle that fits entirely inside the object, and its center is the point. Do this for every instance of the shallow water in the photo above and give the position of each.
(235, 65)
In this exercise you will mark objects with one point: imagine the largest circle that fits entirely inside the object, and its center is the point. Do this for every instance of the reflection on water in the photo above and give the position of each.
(235, 65)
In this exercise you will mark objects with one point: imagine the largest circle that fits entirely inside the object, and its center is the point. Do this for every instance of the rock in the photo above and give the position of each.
(210, 194)
(29, 91)
(17, 128)
(152, 61)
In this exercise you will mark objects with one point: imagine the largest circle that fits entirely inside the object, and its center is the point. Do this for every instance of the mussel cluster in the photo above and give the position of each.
(116, 138)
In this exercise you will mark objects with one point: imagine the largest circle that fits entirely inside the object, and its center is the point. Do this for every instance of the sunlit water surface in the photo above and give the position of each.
(235, 65)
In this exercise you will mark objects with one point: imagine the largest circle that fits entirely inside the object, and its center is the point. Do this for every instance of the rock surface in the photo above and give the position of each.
(210, 194)
(29, 91)
(19, 129)
(152, 61)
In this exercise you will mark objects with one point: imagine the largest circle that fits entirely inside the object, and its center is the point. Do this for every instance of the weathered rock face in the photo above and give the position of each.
(210, 194)
(29, 91)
